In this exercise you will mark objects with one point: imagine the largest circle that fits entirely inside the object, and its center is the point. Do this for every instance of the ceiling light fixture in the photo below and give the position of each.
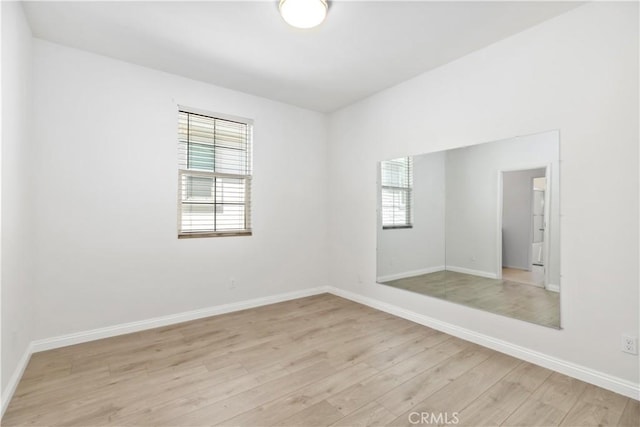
(303, 13)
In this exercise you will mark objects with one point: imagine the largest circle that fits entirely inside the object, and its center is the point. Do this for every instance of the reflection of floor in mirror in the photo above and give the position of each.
(534, 277)
(505, 297)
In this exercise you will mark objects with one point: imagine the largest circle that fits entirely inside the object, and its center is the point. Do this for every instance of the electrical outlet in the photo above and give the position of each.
(232, 283)
(629, 344)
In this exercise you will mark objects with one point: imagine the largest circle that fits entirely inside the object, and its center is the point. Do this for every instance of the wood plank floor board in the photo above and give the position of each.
(64, 401)
(392, 356)
(319, 414)
(631, 415)
(462, 390)
(372, 344)
(48, 385)
(73, 390)
(41, 365)
(495, 405)
(549, 404)
(166, 392)
(358, 395)
(596, 406)
(372, 414)
(344, 346)
(242, 347)
(404, 397)
(100, 408)
(318, 360)
(217, 412)
(168, 405)
(275, 411)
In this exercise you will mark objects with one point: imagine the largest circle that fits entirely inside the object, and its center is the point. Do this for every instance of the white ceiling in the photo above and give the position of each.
(361, 48)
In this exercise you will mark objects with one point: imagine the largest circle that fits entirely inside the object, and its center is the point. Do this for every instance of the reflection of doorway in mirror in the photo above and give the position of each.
(538, 221)
(523, 226)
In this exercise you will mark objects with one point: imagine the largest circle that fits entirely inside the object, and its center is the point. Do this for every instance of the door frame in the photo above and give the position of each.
(547, 210)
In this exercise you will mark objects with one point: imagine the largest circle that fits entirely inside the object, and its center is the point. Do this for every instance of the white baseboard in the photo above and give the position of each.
(411, 273)
(156, 322)
(516, 267)
(553, 288)
(480, 273)
(15, 379)
(609, 382)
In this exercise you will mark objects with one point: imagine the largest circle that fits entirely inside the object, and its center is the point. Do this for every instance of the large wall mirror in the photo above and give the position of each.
(477, 225)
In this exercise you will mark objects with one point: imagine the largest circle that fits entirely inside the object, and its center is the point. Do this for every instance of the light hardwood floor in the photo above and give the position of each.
(314, 361)
(505, 297)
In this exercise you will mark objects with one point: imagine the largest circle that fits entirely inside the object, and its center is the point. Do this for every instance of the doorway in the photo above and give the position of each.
(523, 227)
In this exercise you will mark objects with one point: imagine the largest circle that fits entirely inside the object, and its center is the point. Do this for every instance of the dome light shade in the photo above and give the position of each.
(303, 13)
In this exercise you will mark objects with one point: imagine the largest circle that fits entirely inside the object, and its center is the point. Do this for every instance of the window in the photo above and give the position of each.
(396, 187)
(214, 175)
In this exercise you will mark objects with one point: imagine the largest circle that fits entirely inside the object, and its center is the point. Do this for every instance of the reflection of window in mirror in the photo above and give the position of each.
(396, 188)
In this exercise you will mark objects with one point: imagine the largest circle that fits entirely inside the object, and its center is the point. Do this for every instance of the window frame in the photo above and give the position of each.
(408, 190)
(247, 178)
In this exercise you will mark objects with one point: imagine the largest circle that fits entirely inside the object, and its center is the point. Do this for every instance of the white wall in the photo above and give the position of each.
(517, 217)
(577, 73)
(17, 207)
(106, 188)
(472, 198)
(412, 251)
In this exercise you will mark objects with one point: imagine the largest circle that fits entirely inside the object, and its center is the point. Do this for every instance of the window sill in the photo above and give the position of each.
(395, 227)
(214, 234)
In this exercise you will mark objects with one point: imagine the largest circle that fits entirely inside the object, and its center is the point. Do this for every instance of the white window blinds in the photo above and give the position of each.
(214, 176)
(396, 188)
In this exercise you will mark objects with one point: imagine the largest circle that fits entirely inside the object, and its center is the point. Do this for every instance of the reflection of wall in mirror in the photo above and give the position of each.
(472, 199)
(418, 250)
